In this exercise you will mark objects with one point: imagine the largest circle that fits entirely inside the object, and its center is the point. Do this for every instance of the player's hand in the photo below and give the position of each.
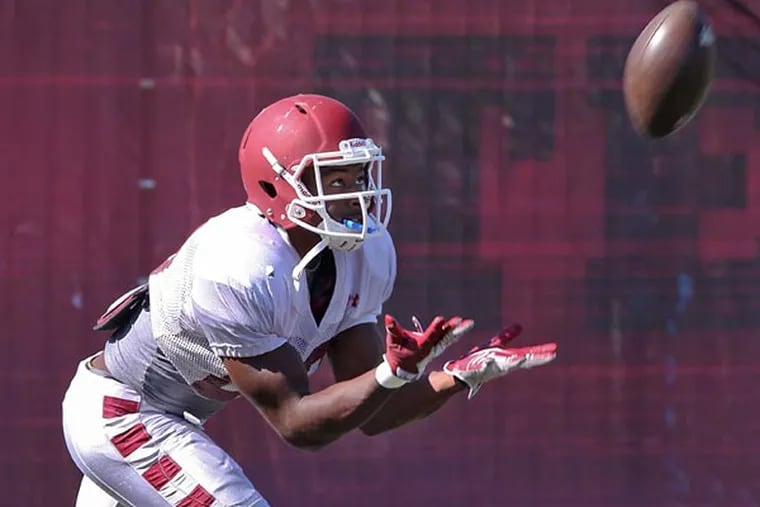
(493, 359)
(407, 353)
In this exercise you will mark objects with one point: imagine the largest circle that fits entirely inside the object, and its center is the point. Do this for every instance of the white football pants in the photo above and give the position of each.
(132, 454)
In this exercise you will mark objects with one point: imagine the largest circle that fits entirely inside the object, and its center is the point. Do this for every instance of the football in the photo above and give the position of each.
(669, 69)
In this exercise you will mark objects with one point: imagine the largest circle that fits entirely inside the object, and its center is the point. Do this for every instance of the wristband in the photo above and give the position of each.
(385, 377)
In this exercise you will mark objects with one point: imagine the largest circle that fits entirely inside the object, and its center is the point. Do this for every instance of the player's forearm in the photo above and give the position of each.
(413, 401)
(317, 419)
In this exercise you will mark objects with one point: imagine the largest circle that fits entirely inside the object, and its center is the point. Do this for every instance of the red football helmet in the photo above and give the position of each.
(309, 132)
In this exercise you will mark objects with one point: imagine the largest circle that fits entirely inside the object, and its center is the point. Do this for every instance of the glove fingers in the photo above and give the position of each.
(448, 333)
(507, 335)
(545, 347)
(538, 360)
(543, 354)
(452, 323)
(392, 326)
(436, 327)
(454, 329)
(417, 325)
(538, 355)
(458, 326)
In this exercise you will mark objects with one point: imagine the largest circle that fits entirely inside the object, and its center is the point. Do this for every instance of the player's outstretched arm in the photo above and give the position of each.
(278, 385)
(359, 349)
(486, 362)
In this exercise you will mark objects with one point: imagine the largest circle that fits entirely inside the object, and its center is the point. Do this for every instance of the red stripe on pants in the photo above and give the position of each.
(197, 497)
(127, 442)
(160, 473)
(115, 407)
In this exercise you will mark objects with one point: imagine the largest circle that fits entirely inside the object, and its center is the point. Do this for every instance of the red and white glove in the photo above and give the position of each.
(407, 353)
(492, 359)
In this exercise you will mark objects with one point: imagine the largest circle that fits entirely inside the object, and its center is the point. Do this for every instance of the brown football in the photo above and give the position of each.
(669, 69)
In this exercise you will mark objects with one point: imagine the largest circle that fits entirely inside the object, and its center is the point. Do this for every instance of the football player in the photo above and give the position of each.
(248, 306)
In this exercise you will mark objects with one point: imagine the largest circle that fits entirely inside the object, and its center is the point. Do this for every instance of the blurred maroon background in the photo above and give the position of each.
(521, 194)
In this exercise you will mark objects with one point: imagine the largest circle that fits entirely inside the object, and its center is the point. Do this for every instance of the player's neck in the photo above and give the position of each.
(302, 240)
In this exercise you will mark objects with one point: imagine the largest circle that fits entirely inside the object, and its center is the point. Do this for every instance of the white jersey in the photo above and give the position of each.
(229, 292)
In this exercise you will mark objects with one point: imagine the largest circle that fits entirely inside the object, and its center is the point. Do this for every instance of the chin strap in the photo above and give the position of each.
(299, 268)
(345, 244)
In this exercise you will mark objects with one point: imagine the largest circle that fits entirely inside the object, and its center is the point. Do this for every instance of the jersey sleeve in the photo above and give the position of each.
(237, 319)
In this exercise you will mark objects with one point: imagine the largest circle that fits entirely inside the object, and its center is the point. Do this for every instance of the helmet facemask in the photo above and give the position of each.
(374, 201)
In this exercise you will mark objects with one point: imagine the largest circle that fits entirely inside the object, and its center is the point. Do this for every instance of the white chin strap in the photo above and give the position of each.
(306, 259)
(345, 244)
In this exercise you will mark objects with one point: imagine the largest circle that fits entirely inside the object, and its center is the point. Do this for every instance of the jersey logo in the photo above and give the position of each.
(353, 300)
